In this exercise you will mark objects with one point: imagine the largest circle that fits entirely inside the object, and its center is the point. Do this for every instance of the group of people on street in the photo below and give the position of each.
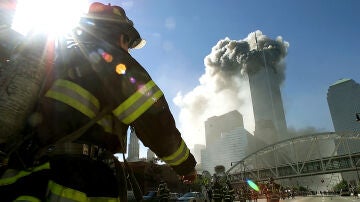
(219, 191)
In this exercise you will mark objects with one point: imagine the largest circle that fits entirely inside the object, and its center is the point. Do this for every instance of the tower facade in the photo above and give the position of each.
(230, 147)
(344, 102)
(196, 151)
(226, 141)
(270, 123)
(216, 125)
(134, 147)
(150, 155)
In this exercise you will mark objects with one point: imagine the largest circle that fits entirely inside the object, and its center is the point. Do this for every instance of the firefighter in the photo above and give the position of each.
(228, 192)
(216, 188)
(84, 116)
(163, 191)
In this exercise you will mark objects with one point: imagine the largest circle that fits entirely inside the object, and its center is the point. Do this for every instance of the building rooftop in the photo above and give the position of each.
(340, 81)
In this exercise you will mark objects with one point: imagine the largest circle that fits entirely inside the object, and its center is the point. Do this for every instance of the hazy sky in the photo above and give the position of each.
(322, 39)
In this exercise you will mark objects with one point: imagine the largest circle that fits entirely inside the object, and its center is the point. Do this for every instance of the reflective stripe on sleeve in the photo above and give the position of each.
(78, 98)
(61, 193)
(12, 179)
(138, 103)
(27, 199)
(179, 156)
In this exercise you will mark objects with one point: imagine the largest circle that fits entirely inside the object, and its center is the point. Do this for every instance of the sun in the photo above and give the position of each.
(53, 17)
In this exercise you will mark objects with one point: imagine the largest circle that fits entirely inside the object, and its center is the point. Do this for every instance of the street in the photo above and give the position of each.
(319, 199)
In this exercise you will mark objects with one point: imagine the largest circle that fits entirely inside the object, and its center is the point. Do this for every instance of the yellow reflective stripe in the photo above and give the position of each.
(20, 174)
(80, 99)
(71, 102)
(65, 192)
(179, 156)
(27, 199)
(75, 96)
(103, 199)
(86, 101)
(80, 90)
(138, 103)
(61, 193)
(148, 103)
(137, 95)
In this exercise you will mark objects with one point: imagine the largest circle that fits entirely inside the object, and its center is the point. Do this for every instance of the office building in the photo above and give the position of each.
(216, 125)
(227, 141)
(344, 102)
(134, 147)
(196, 151)
(270, 123)
(150, 155)
(229, 148)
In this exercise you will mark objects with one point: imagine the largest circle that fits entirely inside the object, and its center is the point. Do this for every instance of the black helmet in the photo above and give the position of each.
(113, 18)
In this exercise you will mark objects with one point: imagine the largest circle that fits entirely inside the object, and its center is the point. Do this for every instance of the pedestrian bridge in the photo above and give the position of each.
(307, 155)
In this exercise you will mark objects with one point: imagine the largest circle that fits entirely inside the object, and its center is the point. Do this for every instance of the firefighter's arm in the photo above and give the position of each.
(156, 129)
(146, 109)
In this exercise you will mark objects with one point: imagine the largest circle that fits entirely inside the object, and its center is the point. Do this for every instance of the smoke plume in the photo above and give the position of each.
(224, 85)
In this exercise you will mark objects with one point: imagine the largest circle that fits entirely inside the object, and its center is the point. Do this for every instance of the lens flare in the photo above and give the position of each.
(132, 80)
(120, 69)
(252, 185)
(107, 57)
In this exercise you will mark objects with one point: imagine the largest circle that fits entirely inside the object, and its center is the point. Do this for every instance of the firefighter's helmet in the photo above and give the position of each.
(109, 17)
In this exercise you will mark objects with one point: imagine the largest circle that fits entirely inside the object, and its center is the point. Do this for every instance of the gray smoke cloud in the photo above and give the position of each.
(224, 86)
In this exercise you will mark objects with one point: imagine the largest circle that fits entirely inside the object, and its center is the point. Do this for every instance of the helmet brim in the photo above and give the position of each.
(140, 44)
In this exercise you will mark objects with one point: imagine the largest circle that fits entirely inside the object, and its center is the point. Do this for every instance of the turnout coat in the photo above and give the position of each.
(89, 79)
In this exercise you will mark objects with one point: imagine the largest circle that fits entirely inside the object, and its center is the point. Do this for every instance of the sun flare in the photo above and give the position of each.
(53, 17)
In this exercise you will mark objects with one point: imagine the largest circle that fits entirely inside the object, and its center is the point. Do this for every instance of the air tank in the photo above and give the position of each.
(22, 72)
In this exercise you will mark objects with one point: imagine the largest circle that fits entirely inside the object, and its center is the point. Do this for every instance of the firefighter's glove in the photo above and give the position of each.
(189, 178)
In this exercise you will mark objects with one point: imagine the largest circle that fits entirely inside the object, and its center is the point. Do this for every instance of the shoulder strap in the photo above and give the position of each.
(76, 134)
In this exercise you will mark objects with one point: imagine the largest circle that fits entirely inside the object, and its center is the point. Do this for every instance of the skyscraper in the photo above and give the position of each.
(150, 155)
(134, 147)
(216, 125)
(270, 123)
(230, 147)
(196, 151)
(226, 141)
(344, 102)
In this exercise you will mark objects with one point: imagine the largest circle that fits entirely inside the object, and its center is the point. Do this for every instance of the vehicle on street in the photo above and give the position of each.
(192, 197)
(151, 196)
(174, 196)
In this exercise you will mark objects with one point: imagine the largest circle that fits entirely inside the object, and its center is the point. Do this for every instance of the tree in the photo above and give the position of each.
(341, 186)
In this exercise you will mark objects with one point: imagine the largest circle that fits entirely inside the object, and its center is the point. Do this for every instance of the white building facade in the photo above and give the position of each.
(134, 147)
(344, 102)
(231, 147)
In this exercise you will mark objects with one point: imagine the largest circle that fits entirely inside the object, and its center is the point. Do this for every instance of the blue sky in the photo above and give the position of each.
(323, 38)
